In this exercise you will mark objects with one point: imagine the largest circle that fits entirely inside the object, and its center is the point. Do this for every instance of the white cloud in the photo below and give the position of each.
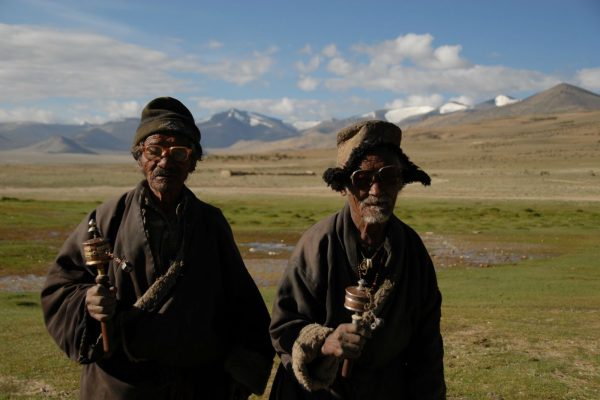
(309, 67)
(445, 57)
(214, 44)
(339, 66)
(40, 63)
(330, 51)
(410, 64)
(433, 100)
(307, 49)
(412, 47)
(589, 78)
(286, 108)
(307, 83)
(466, 100)
(239, 72)
(98, 112)
(27, 114)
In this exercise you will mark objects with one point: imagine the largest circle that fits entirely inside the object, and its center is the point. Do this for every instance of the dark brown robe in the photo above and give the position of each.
(210, 331)
(404, 357)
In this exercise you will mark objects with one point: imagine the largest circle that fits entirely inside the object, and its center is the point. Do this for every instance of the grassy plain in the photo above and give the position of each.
(512, 220)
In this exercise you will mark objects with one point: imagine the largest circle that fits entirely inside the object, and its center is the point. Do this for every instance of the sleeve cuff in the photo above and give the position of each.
(311, 369)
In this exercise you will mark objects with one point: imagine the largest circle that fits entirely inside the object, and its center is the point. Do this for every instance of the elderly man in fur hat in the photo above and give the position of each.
(183, 318)
(394, 349)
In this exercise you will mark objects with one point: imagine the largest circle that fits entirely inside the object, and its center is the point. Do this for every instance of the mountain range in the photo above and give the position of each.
(245, 131)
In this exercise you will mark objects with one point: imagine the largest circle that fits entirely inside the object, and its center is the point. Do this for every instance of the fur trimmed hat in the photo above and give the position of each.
(354, 135)
(169, 116)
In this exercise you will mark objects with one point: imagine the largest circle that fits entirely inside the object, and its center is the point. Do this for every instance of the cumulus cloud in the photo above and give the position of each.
(215, 44)
(283, 107)
(310, 66)
(339, 66)
(289, 109)
(466, 100)
(589, 78)
(410, 63)
(434, 100)
(40, 63)
(239, 72)
(27, 114)
(307, 49)
(307, 83)
(330, 50)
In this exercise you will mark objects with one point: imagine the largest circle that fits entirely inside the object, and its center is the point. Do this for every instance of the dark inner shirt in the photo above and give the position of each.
(165, 232)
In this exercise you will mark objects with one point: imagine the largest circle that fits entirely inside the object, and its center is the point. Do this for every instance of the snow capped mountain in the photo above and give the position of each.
(498, 101)
(226, 128)
(302, 125)
(502, 100)
(397, 115)
(452, 106)
(250, 118)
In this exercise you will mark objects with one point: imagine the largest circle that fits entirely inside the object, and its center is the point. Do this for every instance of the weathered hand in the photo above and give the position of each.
(344, 342)
(100, 302)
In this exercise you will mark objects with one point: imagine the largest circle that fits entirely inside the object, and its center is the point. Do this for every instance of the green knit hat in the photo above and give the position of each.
(168, 116)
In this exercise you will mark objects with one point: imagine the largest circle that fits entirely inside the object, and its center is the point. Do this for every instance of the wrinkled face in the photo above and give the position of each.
(164, 173)
(374, 192)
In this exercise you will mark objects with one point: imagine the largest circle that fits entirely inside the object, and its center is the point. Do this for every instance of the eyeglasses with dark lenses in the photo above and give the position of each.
(176, 153)
(389, 175)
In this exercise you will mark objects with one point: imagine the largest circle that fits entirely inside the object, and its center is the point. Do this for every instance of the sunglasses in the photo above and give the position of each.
(176, 153)
(390, 175)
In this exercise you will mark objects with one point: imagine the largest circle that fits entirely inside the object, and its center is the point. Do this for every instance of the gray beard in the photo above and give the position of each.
(377, 216)
(374, 212)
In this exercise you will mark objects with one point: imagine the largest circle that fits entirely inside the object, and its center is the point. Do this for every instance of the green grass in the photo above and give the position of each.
(528, 330)
(31, 232)
(31, 363)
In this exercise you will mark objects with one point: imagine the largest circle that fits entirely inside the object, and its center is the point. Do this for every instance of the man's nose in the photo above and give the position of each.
(375, 188)
(164, 160)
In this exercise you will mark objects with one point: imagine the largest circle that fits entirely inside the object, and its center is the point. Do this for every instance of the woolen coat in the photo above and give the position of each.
(210, 330)
(404, 357)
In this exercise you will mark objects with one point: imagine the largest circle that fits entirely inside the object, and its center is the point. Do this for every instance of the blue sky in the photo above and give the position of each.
(94, 61)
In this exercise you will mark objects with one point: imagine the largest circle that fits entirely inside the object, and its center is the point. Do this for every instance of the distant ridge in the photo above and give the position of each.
(245, 131)
(97, 138)
(559, 99)
(59, 144)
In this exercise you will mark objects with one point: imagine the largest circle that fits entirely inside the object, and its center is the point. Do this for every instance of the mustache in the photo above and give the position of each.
(381, 201)
(159, 171)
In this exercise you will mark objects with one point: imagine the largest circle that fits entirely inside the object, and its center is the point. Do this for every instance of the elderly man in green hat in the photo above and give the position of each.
(183, 318)
(365, 265)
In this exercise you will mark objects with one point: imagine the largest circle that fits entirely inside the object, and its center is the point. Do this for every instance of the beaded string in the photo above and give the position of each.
(366, 265)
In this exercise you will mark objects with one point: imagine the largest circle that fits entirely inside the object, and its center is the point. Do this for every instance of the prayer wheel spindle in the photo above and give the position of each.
(97, 254)
(356, 300)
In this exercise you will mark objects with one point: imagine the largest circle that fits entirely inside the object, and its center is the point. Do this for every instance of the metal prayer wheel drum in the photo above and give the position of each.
(96, 251)
(356, 298)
